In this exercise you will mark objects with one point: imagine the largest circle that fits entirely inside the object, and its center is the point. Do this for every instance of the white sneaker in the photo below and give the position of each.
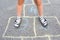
(18, 23)
(43, 22)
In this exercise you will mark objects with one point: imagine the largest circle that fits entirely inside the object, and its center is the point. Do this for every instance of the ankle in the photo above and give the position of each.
(18, 17)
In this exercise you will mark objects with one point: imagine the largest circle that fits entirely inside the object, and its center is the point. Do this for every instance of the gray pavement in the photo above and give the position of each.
(30, 28)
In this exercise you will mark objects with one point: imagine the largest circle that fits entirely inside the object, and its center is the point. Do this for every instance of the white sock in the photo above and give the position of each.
(41, 17)
(18, 17)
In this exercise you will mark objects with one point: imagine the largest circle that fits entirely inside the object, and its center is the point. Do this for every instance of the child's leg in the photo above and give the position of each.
(42, 20)
(19, 12)
(19, 7)
(39, 6)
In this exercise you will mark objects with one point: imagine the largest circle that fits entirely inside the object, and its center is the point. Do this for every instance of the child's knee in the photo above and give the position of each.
(38, 2)
(20, 2)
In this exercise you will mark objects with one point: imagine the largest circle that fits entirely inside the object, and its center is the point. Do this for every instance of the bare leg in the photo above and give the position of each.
(39, 7)
(19, 13)
(42, 20)
(19, 7)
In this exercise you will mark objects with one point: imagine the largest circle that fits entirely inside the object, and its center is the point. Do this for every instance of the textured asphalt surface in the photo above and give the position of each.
(29, 29)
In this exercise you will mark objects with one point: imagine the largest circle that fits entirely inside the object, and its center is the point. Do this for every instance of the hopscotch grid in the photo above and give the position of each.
(43, 3)
(34, 24)
(21, 38)
(32, 36)
(57, 20)
(24, 37)
(35, 28)
(31, 17)
(23, 10)
(38, 16)
(7, 26)
(49, 2)
(49, 37)
(33, 4)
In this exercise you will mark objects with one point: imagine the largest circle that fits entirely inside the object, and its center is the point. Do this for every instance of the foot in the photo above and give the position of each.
(18, 23)
(43, 21)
